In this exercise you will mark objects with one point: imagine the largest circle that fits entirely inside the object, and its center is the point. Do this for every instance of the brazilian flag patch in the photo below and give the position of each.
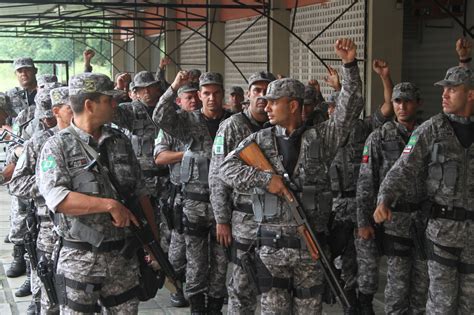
(411, 143)
(219, 145)
(48, 164)
(365, 155)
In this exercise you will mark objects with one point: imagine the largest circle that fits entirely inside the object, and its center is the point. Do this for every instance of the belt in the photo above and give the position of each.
(196, 196)
(406, 207)
(156, 173)
(244, 207)
(456, 213)
(275, 240)
(104, 247)
(43, 218)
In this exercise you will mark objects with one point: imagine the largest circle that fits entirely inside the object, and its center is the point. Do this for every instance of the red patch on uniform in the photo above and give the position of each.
(365, 159)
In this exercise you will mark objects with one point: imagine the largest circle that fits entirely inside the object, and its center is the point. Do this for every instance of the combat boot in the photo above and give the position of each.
(25, 288)
(18, 265)
(365, 304)
(178, 300)
(214, 305)
(34, 308)
(198, 304)
(352, 298)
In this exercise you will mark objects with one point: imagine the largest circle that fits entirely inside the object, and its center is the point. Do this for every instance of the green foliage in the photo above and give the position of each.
(49, 49)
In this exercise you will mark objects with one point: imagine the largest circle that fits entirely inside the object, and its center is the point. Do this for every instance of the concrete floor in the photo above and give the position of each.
(10, 304)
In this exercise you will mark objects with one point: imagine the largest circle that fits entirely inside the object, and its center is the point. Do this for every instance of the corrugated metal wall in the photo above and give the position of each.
(251, 46)
(428, 51)
(193, 51)
(310, 21)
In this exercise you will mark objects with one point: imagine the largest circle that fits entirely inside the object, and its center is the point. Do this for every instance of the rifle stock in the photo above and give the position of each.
(253, 156)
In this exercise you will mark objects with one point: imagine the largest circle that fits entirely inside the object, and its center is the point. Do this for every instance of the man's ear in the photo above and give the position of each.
(294, 106)
(89, 106)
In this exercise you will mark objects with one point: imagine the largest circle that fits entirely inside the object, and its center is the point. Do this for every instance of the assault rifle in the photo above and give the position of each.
(144, 233)
(252, 155)
(13, 137)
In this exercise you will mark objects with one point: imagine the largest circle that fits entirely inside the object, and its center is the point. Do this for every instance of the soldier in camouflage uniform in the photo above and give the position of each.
(6, 112)
(206, 262)
(312, 114)
(90, 221)
(407, 280)
(440, 154)
(236, 97)
(46, 79)
(236, 227)
(135, 118)
(290, 281)
(22, 99)
(23, 185)
(169, 151)
(344, 172)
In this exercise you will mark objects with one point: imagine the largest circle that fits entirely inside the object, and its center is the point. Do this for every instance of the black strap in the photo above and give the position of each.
(406, 207)
(83, 286)
(275, 282)
(104, 247)
(456, 213)
(156, 173)
(195, 229)
(389, 245)
(244, 207)
(307, 293)
(43, 218)
(79, 307)
(272, 239)
(114, 300)
(249, 248)
(196, 196)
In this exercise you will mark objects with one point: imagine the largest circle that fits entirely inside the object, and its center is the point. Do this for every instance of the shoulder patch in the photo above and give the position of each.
(365, 154)
(48, 164)
(410, 145)
(219, 145)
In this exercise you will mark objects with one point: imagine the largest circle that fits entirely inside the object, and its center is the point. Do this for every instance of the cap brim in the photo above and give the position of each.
(113, 93)
(447, 83)
(24, 66)
(211, 82)
(187, 91)
(146, 84)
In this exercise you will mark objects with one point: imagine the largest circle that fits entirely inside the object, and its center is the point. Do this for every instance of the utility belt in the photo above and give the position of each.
(344, 194)
(406, 207)
(195, 229)
(43, 218)
(455, 213)
(278, 240)
(203, 197)
(247, 248)
(243, 207)
(156, 172)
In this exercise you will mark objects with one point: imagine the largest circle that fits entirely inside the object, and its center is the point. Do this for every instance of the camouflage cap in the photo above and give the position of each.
(89, 82)
(23, 62)
(43, 104)
(144, 79)
(261, 76)
(457, 76)
(6, 105)
(236, 90)
(190, 87)
(59, 96)
(194, 73)
(211, 78)
(406, 91)
(310, 95)
(43, 79)
(285, 87)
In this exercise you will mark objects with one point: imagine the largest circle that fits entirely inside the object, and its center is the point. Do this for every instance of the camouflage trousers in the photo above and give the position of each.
(241, 288)
(368, 260)
(450, 290)
(177, 252)
(114, 273)
(349, 265)
(295, 264)
(18, 212)
(45, 242)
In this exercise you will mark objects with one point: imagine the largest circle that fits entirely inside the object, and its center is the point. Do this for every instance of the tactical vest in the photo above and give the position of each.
(344, 170)
(450, 180)
(143, 136)
(194, 171)
(18, 99)
(310, 180)
(93, 228)
(392, 144)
